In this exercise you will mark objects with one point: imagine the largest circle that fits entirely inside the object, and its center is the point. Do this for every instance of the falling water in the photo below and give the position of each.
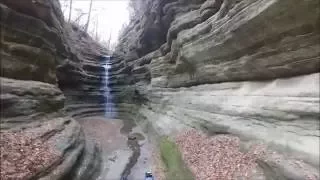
(109, 105)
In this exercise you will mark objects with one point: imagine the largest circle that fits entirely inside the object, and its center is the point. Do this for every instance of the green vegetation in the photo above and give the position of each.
(172, 159)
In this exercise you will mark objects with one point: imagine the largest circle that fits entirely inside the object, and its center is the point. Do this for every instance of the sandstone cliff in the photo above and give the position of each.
(245, 68)
(248, 68)
(40, 55)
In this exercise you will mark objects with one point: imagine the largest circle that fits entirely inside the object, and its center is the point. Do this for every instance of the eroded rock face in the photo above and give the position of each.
(23, 98)
(82, 75)
(242, 38)
(247, 68)
(39, 62)
(28, 52)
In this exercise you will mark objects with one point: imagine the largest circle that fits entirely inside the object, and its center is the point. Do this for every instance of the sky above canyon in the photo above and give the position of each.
(107, 17)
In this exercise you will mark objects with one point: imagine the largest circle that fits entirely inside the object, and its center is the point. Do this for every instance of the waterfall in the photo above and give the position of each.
(109, 105)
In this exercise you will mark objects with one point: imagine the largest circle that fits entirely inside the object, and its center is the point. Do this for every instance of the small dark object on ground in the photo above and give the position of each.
(149, 176)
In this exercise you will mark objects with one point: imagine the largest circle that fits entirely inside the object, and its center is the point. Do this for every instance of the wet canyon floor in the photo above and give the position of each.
(126, 151)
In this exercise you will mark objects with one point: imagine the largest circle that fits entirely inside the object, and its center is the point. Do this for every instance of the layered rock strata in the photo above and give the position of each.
(38, 59)
(82, 75)
(248, 68)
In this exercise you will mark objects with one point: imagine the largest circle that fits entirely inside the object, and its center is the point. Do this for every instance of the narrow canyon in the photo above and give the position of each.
(194, 89)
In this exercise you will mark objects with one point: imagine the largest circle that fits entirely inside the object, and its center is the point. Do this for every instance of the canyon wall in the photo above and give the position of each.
(248, 68)
(49, 69)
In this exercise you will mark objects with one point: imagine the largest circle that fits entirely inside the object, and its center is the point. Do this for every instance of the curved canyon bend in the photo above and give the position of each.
(194, 89)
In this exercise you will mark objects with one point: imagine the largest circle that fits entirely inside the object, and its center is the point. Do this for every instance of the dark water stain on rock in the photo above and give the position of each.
(133, 144)
(127, 127)
(136, 136)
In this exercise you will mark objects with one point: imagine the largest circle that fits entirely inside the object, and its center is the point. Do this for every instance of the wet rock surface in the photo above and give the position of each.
(125, 153)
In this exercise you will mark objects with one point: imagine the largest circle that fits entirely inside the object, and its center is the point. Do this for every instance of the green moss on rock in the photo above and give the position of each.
(171, 157)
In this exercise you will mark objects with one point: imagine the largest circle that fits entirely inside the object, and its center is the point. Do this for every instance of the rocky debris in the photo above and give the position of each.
(217, 157)
(22, 157)
(227, 157)
(41, 150)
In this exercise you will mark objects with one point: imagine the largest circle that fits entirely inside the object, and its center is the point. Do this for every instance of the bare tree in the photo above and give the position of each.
(109, 41)
(89, 16)
(97, 23)
(79, 17)
(70, 10)
(64, 6)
